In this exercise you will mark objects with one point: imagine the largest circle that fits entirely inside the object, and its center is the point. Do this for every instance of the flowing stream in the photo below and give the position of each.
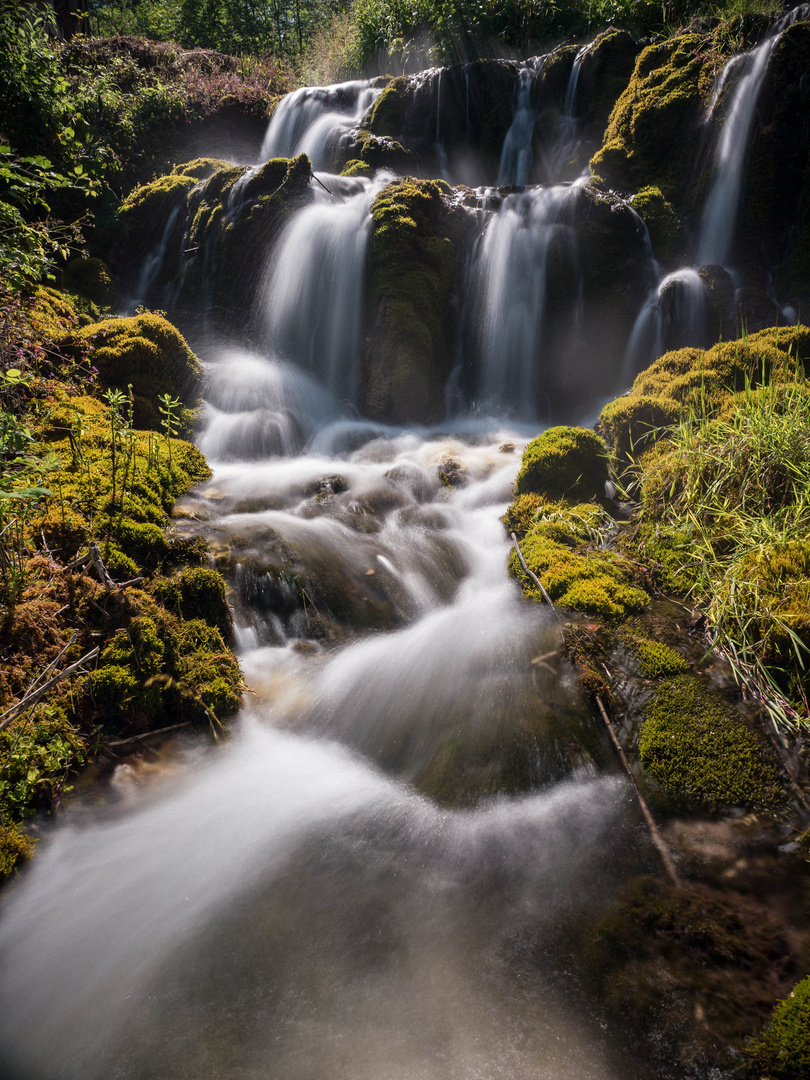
(379, 877)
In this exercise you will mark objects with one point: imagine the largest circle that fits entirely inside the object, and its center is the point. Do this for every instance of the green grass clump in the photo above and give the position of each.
(698, 747)
(782, 1051)
(564, 463)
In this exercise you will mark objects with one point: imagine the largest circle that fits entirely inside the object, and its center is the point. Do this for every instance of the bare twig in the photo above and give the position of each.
(149, 734)
(37, 695)
(535, 578)
(99, 567)
(663, 851)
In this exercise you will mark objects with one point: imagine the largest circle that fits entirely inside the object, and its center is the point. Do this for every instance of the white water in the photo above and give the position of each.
(675, 314)
(283, 908)
(517, 154)
(312, 292)
(508, 283)
(312, 120)
(722, 207)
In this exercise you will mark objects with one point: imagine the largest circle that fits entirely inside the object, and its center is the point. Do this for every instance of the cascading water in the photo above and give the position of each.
(312, 293)
(674, 315)
(311, 120)
(517, 155)
(509, 285)
(722, 206)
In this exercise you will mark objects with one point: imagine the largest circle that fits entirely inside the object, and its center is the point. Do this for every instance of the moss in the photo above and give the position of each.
(520, 516)
(388, 113)
(355, 167)
(207, 670)
(15, 848)
(564, 463)
(663, 224)
(411, 267)
(782, 1051)
(698, 747)
(591, 581)
(684, 973)
(91, 278)
(655, 659)
(51, 313)
(197, 592)
(201, 168)
(149, 354)
(659, 109)
(770, 588)
(155, 201)
(704, 380)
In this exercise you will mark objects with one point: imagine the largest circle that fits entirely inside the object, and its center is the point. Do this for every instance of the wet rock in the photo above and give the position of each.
(327, 486)
(452, 472)
(719, 289)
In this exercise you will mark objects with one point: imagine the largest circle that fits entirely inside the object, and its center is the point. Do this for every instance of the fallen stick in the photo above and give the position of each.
(663, 851)
(148, 734)
(37, 695)
(535, 578)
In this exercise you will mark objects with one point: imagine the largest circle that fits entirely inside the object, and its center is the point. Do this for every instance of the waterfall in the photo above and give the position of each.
(674, 315)
(311, 120)
(312, 293)
(508, 283)
(152, 264)
(722, 206)
(516, 155)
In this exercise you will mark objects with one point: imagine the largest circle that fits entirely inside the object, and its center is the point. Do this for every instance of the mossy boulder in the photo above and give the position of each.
(655, 117)
(51, 313)
(89, 277)
(687, 974)
(782, 1051)
(148, 353)
(663, 224)
(411, 269)
(697, 746)
(564, 463)
(197, 593)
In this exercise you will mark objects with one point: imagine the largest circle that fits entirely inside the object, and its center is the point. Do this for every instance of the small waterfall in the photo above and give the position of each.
(152, 264)
(721, 209)
(674, 315)
(517, 155)
(566, 141)
(312, 293)
(311, 120)
(509, 284)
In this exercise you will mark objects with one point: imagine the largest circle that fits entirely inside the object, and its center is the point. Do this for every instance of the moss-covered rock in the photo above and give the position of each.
(197, 593)
(89, 277)
(15, 847)
(663, 224)
(148, 353)
(655, 659)
(700, 748)
(412, 261)
(782, 1051)
(653, 119)
(687, 973)
(564, 463)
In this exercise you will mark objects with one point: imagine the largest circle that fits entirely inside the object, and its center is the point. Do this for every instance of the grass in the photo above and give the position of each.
(729, 496)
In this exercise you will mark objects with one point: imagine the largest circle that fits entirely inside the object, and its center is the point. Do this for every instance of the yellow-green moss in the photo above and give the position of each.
(355, 167)
(520, 517)
(700, 748)
(663, 224)
(197, 592)
(564, 463)
(158, 198)
(659, 110)
(51, 313)
(147, 352)
(782, 1051)
(592, 581)
(388, 113)
(15, 848)
(655, 659)
(91, 278)
(201, 168)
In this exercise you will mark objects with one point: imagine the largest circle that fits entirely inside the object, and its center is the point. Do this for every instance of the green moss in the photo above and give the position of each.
(157, 199)
(520, 517)
(91, 278)
(197, 592)
(658, 111)
(656, 660)
(564, 463)
(388, 113)
(15, 848)
(201, 168)
(207, 670)
(782, 1051)
(663, 224)
(355, 167)
(695, 745)
(410, 275)
(592, 581)
(51, 313)
(686, 972)
(147, 352)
